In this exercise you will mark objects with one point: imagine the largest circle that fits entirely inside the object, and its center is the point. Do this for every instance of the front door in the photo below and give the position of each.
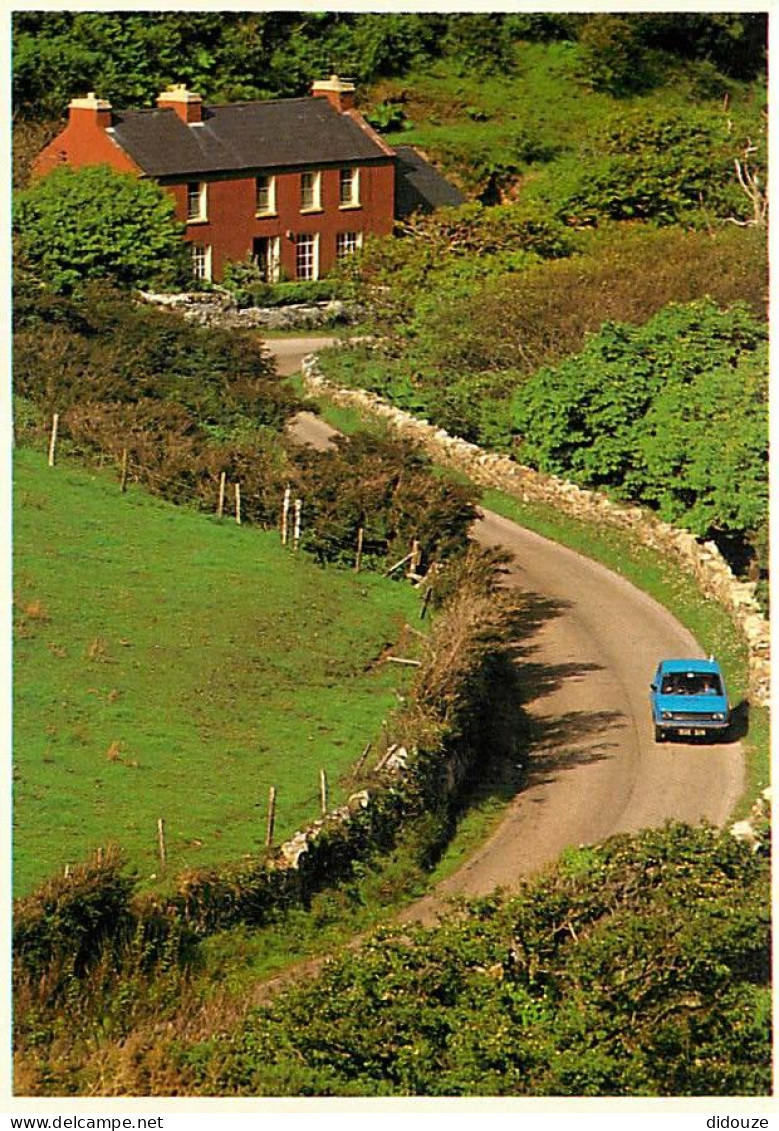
(265, 252)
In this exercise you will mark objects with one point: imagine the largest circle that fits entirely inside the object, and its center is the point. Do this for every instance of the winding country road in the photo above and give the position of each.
(590, 646)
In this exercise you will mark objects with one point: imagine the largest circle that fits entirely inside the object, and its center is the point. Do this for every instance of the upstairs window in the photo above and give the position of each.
(265, 196)
(349, 192)
(310, 192)
(307, 257)
(197, 201)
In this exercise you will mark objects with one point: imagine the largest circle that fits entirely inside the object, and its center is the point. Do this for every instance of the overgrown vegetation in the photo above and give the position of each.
(638, 968)
(189, 405)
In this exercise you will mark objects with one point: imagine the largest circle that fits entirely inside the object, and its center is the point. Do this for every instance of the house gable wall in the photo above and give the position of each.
(83, 141)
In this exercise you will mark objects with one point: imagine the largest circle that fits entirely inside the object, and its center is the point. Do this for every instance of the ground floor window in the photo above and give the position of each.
(307, 257)
(346, 243)
(266, 253)
(201, 261)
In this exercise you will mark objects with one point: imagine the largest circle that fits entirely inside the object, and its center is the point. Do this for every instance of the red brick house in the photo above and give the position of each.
(296, 182)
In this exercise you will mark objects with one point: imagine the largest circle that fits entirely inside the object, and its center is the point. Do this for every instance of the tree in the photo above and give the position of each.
(94, 223)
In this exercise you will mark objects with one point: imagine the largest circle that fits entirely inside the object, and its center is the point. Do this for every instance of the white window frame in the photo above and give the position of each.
(310, 240)
(347, 243)
(353, 199)
(200, 197)
(270, 188)
(314, 194)
(274, 258)
(202, 261)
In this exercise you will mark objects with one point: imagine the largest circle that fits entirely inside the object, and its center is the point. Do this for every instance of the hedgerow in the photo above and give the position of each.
(639, 967)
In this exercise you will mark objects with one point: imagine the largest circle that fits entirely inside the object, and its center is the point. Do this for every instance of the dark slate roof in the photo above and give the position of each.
(244, 136)
(418, 186)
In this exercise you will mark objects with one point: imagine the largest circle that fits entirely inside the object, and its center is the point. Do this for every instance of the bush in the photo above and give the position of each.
(94, 223)
(649, 411)
(657, 165)
(107, 348)
(389, 489)
(640, 967)
(244, 281)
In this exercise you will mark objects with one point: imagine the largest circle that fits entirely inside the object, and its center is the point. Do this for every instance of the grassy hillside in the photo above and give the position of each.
(168, 666)
(525, 129)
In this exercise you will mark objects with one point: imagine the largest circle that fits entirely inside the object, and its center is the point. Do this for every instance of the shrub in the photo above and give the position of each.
(638, 967)
(649, 410)
(386, 487)
(95, 223)
(245, 282)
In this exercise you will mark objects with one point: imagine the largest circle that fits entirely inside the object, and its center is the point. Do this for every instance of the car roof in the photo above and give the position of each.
(690, 666)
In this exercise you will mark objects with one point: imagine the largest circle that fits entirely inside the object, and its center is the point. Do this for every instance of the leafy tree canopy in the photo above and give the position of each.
(75, 225)
(129, 57)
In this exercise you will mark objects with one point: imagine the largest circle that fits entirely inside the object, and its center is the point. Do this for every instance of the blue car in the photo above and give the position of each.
(689, 698)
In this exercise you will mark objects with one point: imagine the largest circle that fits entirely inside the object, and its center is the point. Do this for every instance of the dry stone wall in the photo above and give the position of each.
(488, 469)
(217, 308)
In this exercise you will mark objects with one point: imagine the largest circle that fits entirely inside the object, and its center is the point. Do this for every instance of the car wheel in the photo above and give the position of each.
(659, 734)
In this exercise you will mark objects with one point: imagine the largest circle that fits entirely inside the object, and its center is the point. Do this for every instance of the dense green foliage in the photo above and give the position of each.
(650, 411)
(129, 57)
(76, 225)
(638, 968)
(655, 163)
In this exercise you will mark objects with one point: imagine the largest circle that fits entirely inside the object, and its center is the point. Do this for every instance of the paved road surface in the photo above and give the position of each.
(594, 768)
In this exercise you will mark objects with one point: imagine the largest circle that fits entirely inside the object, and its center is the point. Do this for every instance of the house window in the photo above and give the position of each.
(197, 201)
(307, 257)
(266, 196)
(310, 197)
(267, 255)
(201, 261)
(346, 243)
(350, 188)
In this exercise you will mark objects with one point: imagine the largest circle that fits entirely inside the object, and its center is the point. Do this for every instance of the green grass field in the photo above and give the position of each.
(167, 665)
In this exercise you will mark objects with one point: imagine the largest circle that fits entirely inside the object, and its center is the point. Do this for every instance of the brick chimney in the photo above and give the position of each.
(90, 111)
(187, 105)
(339, 94)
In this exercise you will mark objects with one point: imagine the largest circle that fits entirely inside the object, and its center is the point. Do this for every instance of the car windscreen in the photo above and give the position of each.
(691, 683)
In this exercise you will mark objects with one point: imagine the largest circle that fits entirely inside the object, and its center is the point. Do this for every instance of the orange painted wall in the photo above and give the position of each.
(83, 142)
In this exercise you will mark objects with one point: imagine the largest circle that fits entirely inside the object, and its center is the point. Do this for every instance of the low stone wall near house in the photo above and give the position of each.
(217, 308)
(488, 469)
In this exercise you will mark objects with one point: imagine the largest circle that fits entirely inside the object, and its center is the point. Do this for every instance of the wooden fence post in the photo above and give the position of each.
(53, 440)
(123, 483)
(271, 816)
(220, 506)
(296, 530)
(323, 791)
(361, 761)
(416, 558)
(285, 515)
(161, 843)
(358, 562)
(238, 503)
